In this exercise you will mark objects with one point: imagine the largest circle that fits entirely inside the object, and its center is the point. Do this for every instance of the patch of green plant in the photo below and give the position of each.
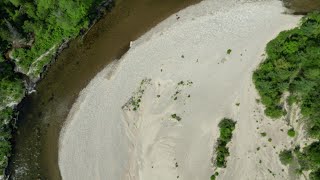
(226, 127)
(135, 100)
(286, 157)
(176, 117)
(314, 175)
(229, 51)
(263, 134)
(179, 88)
(291, 132)
(5, 134)
(213, 177)
(11, 86)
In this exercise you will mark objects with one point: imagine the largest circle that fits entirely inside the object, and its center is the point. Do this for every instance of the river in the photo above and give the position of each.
(42, 114)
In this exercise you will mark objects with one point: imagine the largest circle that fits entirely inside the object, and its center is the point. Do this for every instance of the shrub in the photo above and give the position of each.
(213, 177)
(286, 157)
(315, 175)
(226, 128)
(291, 132)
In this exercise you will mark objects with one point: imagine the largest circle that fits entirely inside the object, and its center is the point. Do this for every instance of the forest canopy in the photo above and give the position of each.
(32, 28)
(293, 66)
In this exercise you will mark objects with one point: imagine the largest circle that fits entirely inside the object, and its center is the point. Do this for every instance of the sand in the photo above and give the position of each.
(153, 114)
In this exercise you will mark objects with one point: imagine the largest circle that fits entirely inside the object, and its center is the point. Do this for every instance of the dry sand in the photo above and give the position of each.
(104, 138)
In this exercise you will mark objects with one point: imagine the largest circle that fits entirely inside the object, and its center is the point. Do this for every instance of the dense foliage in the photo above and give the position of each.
(11, 86)
(226, 128)
(5, 134)
(33, 28)
(286, 157)
(293, 65)
(291, 132)
(30, 34)
(11, 93)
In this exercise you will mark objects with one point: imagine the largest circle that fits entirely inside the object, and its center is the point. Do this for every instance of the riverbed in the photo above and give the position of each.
(154, 114)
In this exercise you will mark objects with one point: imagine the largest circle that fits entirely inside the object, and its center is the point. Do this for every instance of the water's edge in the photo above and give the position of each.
(42, 114)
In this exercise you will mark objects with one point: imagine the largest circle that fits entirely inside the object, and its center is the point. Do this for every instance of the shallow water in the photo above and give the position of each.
(43, 113)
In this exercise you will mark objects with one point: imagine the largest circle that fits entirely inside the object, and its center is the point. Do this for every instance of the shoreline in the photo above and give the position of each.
(43, 113)
(186, 27)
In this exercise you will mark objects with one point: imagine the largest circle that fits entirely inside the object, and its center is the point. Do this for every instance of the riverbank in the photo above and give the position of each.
(42, 113)
(28, 43)
(198, 64)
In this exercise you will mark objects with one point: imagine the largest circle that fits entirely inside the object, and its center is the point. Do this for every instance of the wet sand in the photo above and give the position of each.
(43, 113)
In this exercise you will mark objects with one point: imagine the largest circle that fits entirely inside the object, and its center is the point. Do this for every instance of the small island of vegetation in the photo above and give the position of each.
(226, 127)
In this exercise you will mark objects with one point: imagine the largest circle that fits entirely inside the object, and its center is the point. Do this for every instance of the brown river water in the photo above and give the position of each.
(35, 153)
(42, 114)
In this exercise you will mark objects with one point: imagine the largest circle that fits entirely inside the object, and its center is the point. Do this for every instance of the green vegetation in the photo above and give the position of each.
(30, 34)
(263, 134)
(291, 132)
(226, 128)
(286, 157)
(229, 51)
(11, 92)
(11, 86)
(176, 117)
(135, 100)
(32, 28)
(213, 177)
(293, 65)
(5, 134)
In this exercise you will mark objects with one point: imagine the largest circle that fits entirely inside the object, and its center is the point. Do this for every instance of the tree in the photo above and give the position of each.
(286, 157)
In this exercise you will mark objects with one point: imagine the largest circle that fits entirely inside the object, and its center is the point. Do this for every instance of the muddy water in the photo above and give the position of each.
(302, 6)
(35, 154)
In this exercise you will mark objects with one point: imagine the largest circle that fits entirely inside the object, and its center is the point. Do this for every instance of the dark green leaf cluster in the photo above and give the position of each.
(291, 132)
(226, 128)
(293, 65)
(5, 136)
(309, 158)
(11, 86)
(286, 157)
(33, 27)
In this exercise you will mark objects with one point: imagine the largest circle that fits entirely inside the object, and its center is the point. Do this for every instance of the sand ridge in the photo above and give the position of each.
(105, 138)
